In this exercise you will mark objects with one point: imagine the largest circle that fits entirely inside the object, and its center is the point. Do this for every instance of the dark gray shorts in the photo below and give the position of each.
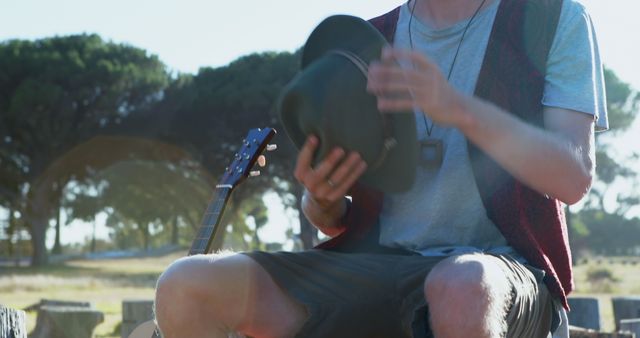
(379, 295)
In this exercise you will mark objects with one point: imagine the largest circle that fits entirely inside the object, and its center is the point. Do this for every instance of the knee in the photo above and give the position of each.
(184, 284)
(464, 280)
(467, 294)
(171, 288)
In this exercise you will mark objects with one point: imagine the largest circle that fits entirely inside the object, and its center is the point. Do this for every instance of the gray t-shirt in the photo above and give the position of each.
(443, 212)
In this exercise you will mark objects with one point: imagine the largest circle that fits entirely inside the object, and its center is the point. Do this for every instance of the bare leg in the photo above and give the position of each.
(468, 297)
(208, 296)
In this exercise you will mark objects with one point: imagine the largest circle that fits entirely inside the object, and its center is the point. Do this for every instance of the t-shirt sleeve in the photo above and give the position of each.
(575, 77)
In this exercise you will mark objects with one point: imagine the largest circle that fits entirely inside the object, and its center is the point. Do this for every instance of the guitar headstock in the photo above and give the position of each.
(253, 145)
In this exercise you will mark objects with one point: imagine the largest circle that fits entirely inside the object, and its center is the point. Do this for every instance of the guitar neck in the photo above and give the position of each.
(211, 221)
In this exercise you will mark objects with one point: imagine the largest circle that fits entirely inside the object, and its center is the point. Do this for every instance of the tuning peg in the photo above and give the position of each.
(254, 173)
(272, 147)
(262, 160)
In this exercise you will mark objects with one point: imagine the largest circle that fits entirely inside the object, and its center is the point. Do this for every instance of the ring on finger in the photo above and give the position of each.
(331, 183)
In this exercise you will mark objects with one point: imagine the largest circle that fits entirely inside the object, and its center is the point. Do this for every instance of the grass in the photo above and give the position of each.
(106, 283)
(625, 281)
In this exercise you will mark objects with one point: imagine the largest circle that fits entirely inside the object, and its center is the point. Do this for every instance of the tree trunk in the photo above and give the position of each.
(37, 216)
(57, 248)
(93, 237)
(10, 231)
(39, 256)
(146, 237)
(174, 231)
(18, 240)
(308, 233)
(256, 239)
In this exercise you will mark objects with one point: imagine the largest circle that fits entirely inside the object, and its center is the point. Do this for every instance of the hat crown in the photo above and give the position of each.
(329, 99)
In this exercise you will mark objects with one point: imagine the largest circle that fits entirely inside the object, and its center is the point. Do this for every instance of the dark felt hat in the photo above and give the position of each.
(328, 98)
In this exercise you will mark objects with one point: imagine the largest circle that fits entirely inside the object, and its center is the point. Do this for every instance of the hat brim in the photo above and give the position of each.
(329, 99)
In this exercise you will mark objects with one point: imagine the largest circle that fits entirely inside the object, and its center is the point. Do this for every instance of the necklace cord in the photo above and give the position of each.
(429, 128)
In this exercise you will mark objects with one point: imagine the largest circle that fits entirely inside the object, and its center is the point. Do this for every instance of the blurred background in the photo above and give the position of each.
(118, 118)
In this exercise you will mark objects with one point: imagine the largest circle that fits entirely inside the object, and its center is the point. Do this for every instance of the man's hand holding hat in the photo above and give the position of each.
(326, 183)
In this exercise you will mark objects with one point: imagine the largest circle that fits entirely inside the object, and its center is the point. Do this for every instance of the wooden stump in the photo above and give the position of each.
(55, 302)
(625, 308)
(12, 323)
(631, 325)
(577, 332)
(585, 312)
(66, 322)
(134, 313)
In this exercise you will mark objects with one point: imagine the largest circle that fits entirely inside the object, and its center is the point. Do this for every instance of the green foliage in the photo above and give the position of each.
(209, 114)
(143, 199)
(606, 233)
(211, 111)
(622, 102)
(56, 94)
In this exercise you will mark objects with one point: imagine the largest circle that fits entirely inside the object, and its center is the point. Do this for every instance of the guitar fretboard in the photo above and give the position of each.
(210, 221)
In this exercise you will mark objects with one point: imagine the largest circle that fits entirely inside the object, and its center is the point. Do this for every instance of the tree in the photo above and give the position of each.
(210, 112)
(56, 94)
(84, 203)
(156, 194)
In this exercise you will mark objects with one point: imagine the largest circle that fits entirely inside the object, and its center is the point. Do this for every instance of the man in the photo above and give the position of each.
(470, 254)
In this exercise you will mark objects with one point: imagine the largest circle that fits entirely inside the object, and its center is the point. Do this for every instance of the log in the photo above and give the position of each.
(585, 312)
(134, 313)
(66, 322)
(631, 325)
(625, 308)
(55, 302)
(12, 323)
(578, 332)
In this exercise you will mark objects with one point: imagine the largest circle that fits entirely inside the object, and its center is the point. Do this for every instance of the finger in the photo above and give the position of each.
(303, 164)
(407, 57)
(393, 90)
(385, 72)
(383, 78)
(348, 165)
(318, 177)
(390, 105)
(391, 54)
(344, 186)
(420, 61)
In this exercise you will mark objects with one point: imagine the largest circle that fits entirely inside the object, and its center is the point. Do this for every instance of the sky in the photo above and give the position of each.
(189, 34)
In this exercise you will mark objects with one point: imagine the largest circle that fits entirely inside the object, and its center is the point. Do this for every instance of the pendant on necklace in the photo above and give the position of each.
(431, 153)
